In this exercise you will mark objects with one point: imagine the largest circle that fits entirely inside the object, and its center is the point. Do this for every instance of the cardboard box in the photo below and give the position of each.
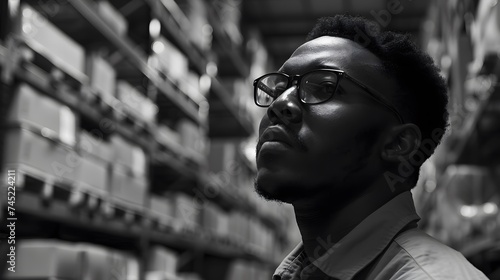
(119, 265)
(136, 103)
(43, 113)
(47, 259)
(55, 45)
(95, 146)
(96, 260)
(126, 188)
(47, 157)
(168, 136)
(131, 156)
(132, 268)
(112, 17)
(214, 219)
(221, 155)
(162, 259)
(160, 275)
(169, 60)
(239, 226)
(186, 209)
(192, 136)
(102, 76)
(93, 174)
(162, 208)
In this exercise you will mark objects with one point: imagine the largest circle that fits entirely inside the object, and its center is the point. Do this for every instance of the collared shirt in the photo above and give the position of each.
(386, 245)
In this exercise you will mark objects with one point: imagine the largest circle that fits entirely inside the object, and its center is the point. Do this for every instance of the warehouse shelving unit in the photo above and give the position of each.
(460, 198)
(53, 206)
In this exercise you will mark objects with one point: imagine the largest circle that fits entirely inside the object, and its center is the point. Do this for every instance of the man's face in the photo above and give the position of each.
(326, 149)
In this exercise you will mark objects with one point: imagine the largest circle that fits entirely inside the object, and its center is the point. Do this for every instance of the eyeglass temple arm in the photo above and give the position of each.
(378, 97)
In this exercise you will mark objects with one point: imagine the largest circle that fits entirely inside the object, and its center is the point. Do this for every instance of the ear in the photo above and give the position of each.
(401, 141)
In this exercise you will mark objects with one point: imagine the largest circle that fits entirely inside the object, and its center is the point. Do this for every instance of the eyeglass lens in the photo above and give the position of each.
(314, 87)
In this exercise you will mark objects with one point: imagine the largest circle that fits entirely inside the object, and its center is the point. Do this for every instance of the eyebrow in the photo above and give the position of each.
(316, 67)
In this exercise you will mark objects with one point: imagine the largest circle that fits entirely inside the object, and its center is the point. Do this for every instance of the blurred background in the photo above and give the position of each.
(129, 126)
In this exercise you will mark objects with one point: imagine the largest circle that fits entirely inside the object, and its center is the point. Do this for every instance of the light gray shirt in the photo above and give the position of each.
(384, 246)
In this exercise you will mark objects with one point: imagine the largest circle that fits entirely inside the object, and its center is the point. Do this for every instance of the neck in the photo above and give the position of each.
(322, 227)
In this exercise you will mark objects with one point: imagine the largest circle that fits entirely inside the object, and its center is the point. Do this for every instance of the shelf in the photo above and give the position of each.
(466, 150)
(108, 231)
(118, 231)
(224, 197)
(135, 132)
(231, 61)
(72, 210)
(479, 245)
(164, 11)
(90, 30)
(225, 119)
(171, 97)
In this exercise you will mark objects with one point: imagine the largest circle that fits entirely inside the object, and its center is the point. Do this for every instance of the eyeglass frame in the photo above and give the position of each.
(340, 74)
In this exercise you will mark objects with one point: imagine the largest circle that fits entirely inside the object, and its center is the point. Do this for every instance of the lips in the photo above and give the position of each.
(276, 134)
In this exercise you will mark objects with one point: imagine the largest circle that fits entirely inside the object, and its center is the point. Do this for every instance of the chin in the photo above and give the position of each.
(273, 189)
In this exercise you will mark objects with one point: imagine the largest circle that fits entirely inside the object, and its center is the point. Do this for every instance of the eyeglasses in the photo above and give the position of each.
(313, 87)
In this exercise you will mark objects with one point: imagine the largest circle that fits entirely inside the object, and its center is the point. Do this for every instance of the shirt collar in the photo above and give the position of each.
(362, 244)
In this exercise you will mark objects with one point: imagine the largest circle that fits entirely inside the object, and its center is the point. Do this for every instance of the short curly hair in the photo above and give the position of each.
(423, 100)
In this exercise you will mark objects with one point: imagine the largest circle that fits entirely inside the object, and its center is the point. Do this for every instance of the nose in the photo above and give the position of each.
(286, 108)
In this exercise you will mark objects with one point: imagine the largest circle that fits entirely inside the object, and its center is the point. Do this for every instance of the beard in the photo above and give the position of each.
(283, 193)
(266, 194)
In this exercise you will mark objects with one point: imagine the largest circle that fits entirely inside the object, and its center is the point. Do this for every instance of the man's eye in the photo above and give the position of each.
(328, 87)
(280, 89)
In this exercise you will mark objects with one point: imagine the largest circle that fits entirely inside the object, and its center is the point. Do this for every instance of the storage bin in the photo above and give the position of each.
(95, 146)
(47, 259)
(127, 189)
(162, 259)
(136, 103)
(93, 174)
(52, 42)
(102, 76)
(43, 113)
(112, 17)
(50, 159)
(187, 210)
(162, 208)
(131, 156)
(96, 260)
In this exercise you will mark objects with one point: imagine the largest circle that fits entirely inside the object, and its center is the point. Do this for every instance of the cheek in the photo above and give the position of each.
(338, 142)
(264, 123)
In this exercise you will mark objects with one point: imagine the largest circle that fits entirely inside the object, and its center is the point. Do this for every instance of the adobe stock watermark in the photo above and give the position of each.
(407, 167)
(381, 19)
(325, 246)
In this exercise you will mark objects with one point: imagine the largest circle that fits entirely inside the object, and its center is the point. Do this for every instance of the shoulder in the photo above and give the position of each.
(421, 254)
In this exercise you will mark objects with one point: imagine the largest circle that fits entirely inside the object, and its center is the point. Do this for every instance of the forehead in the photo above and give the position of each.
(340, 53)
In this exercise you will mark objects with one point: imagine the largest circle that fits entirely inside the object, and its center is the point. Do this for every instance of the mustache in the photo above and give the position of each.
(299, 141)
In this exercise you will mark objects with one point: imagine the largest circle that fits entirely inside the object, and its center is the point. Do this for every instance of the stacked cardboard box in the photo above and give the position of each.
(246, 270)
(161, 208)
(55, 259)
(128, 177)
(112, 17)
(48, 40)
(162, 264)
(135, 103)
(193, 139)
(102, 76)
(168, 137)
(214, 220)
(169, 60)
(186, 210)
(43, 114)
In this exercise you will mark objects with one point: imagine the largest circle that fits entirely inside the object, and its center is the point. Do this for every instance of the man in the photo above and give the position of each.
(345, 111)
